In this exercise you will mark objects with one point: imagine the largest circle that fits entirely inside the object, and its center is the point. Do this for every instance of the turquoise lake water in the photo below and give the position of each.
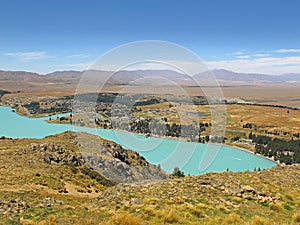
(192, 158)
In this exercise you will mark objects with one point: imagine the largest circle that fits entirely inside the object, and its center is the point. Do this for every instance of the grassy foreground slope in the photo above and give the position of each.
(63, 191)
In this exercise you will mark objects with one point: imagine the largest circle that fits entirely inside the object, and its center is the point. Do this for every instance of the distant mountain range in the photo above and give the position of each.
(226, 75)
(17, 79)
(221, 74)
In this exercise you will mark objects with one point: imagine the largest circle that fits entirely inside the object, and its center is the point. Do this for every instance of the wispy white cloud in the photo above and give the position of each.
(85, 65)
(239, 53)
(27, 55)
(284, 50)
(269, 65)
(260, 55)
(78, 56)
(243, 56)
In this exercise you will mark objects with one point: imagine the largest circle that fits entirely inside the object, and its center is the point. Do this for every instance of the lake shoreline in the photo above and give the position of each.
(184, 140)
(175, 147)
(145, 135)
(248, 151)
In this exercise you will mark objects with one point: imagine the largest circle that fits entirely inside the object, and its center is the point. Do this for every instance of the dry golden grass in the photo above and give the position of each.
(276, 207)
(233, 219)
(288, 95)
(266, 118)
(197, 211)
(150, 211)
(125, 218)
(171, 217)
(52, 220)
(296, 218)
(257, 220)
(286, 122)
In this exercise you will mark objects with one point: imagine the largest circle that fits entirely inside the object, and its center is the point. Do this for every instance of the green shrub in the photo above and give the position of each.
(177, 172)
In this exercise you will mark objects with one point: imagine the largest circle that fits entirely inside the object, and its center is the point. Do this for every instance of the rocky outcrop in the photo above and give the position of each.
(49, 202)
(239, 190)
(53, 153)
(116, 163)
(13, 206)
(107, 158)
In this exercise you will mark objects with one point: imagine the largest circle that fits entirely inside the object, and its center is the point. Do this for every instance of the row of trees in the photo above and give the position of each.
(260, 104)
(164, 129)
(286, 151)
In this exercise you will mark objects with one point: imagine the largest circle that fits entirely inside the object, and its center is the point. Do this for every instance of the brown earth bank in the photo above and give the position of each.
(50, 181)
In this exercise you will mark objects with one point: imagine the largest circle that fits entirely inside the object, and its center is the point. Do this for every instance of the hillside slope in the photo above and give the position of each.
(48, 181)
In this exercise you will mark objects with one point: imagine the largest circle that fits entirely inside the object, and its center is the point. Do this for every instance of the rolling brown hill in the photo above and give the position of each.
(47, 181)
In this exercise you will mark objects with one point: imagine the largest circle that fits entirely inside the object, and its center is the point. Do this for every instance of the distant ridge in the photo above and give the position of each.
(124, 77)
(227, 75)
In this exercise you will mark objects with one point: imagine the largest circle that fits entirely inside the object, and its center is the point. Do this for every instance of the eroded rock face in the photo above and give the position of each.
(116, 163)
(105, 157)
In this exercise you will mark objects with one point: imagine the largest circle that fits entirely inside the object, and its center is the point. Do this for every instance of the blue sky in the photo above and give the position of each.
(246, 36)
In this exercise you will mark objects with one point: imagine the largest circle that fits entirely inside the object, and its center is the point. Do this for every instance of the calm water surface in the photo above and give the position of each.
(192, 158)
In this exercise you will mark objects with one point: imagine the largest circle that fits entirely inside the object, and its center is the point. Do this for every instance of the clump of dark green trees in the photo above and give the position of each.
(286, 151)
